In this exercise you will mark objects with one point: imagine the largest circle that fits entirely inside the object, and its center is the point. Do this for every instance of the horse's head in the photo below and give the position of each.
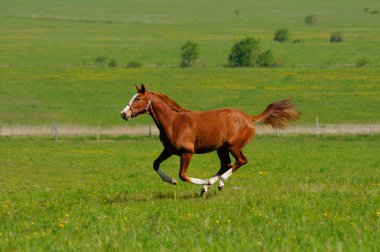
(139, 103)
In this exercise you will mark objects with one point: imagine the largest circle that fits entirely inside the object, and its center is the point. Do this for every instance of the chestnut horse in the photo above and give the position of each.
(185, 133)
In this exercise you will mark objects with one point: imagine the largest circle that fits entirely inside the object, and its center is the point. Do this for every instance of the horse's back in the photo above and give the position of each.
(214, 128)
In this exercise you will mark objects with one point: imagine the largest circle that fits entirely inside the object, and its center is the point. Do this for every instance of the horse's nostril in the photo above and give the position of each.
(123, 115)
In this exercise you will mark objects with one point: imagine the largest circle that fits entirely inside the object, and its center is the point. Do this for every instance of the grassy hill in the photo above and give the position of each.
(48, 51)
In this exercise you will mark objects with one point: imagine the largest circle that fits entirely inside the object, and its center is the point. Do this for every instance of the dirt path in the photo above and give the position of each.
(67, 130)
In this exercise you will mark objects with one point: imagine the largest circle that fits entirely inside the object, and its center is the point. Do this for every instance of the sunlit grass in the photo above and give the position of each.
(296, 193)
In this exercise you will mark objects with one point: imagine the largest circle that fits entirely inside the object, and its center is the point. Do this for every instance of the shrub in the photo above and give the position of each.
(311, 20)
(244, 52)
(362, 62)
(112, 63)
(189, 54)
(281, 35)
(297, 41)
(266, 59)
(336, 37)
(101, 60)
(134, 64)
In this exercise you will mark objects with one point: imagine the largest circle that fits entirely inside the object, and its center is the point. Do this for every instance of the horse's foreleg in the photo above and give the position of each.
(185, 161)
(165, 154)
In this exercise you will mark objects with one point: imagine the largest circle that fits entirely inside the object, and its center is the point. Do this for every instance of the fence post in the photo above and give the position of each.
(54, 131)
(1, 130)
(317, 124)
(97, 132)
(150, 130)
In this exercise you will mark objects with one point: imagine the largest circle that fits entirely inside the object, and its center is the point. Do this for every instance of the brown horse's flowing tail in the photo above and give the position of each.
(278, 114)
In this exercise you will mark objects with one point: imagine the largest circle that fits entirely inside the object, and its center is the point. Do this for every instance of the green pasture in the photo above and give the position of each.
(48, 51)
(295, 194)
(88, 96)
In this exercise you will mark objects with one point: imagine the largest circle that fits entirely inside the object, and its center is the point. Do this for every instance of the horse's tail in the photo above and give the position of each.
(278, 114)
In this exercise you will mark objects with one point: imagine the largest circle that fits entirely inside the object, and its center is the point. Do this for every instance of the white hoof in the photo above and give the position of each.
(204, 190)
(220, 185)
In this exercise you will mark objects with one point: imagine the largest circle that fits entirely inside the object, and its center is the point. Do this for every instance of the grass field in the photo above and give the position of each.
(48, 51)
(295, 194)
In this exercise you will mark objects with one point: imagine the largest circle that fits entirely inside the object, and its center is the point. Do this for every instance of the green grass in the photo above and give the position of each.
(48, 51)
(90, 95)
(295, 194)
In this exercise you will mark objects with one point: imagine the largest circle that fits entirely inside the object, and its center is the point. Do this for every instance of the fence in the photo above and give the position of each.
(55, 130)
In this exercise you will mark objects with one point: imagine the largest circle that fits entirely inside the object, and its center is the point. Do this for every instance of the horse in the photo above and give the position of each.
(185, 133)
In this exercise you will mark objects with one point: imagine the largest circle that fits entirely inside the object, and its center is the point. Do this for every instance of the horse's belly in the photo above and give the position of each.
(208, 143)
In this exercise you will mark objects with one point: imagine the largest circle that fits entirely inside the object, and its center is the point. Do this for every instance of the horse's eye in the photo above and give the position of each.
(137, 99)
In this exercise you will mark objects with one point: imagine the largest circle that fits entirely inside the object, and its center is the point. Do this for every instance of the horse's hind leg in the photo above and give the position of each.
(225, 164)
(240, 161)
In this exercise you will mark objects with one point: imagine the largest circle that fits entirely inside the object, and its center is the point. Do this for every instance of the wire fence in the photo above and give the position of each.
(54, 130)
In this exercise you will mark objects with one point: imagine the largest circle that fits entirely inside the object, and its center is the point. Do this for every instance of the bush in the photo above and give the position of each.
(244, 53)
(281, 35)
(247, 53)
(101, 60)
(266, 59)
(189, 54)
(336, 37)
(112, 63)
(134, 64)
(362, 62)
(311, 20)
(297, 41)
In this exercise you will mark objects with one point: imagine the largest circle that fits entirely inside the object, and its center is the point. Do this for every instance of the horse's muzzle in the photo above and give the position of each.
(124, 116)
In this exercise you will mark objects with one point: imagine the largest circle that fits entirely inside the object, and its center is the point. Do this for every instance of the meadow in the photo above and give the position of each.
(296, 193)
(48, 51)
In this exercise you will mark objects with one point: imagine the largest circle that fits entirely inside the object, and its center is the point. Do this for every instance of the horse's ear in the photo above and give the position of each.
(137, 88)
(143, 89)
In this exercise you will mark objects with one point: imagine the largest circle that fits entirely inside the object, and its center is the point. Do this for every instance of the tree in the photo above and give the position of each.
(244, 52)
(281, 35)
(189, 54)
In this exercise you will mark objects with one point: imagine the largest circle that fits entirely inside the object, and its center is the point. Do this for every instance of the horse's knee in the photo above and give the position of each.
(156, 165)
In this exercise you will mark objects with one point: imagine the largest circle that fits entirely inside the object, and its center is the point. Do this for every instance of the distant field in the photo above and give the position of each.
(88, 96)
(295, 194)
(48, 51)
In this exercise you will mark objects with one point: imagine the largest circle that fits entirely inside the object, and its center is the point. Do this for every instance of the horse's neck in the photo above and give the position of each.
(162, 114)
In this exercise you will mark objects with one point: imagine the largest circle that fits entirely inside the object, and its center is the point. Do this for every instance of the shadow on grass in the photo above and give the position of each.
(157, 196)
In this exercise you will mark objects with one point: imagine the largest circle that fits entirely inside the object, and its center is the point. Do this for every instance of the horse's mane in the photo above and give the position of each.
(172, 104)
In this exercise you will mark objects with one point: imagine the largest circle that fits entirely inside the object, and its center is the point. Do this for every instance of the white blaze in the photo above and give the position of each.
(128, 107)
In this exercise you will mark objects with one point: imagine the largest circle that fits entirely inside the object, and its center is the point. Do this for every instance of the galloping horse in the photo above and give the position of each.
(185, 133)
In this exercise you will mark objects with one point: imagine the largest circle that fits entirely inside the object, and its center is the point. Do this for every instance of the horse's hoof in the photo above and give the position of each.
(220, 187)
(174, 182)
(203, 191)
